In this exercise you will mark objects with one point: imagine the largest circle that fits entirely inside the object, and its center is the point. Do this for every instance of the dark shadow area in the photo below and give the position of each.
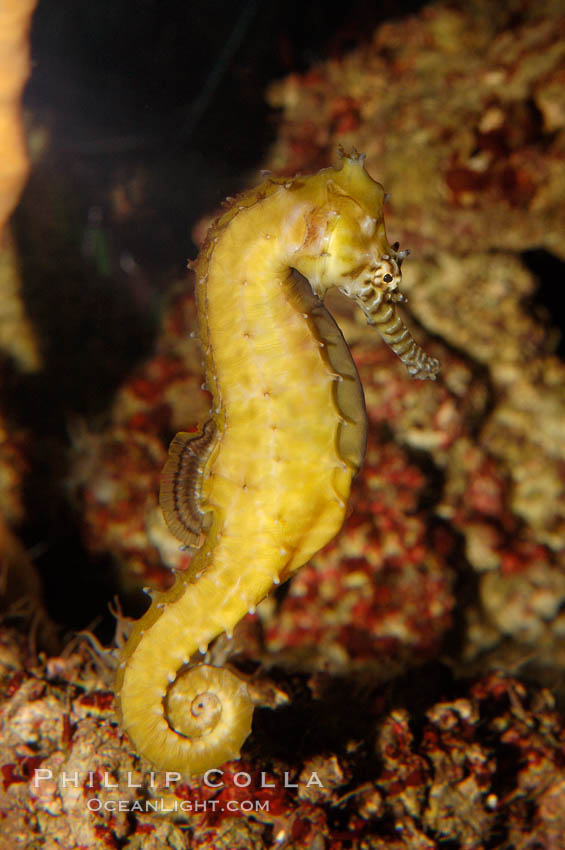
(310, 726)
(549, 296)
(348, 709)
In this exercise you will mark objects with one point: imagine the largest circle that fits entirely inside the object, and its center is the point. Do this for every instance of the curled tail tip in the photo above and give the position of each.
(202, 721)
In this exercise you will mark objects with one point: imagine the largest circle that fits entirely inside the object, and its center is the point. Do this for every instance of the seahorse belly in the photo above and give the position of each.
(277, 472)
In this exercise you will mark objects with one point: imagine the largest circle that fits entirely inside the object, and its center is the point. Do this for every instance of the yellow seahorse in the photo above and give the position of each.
(264, 484)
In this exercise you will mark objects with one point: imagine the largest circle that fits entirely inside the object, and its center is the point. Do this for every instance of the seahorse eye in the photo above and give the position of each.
(387, 278)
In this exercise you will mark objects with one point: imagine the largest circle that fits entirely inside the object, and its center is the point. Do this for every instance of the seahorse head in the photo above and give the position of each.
(346, 243)
(346, 246)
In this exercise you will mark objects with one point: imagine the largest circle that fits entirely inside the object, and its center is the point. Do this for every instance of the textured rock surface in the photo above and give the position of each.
(481, 768)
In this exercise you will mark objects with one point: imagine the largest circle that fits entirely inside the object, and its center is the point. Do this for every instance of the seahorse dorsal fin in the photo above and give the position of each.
(181, 483)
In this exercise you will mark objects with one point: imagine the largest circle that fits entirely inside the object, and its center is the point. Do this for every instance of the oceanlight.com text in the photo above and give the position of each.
(162, 806)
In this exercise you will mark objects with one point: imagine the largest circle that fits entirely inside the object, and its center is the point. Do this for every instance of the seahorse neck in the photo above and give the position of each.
(236, 288)
(269, 233)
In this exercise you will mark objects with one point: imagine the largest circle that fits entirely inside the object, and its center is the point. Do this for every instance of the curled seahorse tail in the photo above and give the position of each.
(203, 720)
(184, 717)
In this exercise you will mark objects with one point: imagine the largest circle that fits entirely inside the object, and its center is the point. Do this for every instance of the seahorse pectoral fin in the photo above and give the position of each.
(394, 332)
(181, 484)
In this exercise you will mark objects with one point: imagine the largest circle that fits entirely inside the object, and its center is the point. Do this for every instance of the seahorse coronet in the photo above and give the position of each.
(263, 485)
